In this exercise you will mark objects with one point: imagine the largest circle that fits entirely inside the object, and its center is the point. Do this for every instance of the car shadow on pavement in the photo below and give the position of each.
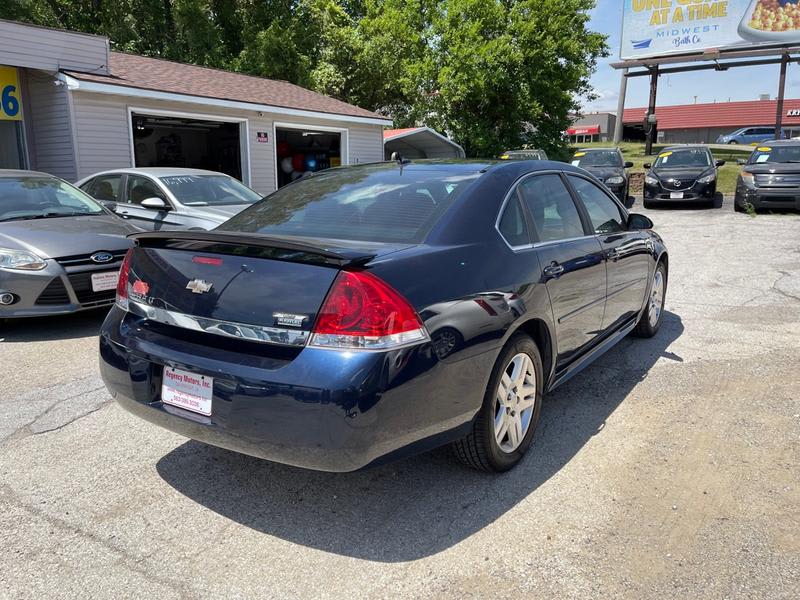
(56, 327)
(419, 506)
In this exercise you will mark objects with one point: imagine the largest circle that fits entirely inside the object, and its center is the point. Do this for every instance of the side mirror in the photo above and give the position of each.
(628, 164)
(741, 161)
(647, 165)
(155, 204)
(719, 163)
(637, 221)
(109, 204)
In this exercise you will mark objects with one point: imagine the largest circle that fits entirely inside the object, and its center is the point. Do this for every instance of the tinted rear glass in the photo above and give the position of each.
(385, 204)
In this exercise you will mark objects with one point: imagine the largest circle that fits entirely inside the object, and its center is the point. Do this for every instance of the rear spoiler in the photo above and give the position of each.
(294, 249)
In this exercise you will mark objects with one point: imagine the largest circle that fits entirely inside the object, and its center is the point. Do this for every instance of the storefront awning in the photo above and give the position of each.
(584, 130)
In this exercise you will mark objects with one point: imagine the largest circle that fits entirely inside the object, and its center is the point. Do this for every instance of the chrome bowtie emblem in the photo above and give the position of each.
(198, 286)
(102, 257)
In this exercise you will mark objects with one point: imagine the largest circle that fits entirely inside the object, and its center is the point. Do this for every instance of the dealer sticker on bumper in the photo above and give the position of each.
(104, 281)
(187, 390)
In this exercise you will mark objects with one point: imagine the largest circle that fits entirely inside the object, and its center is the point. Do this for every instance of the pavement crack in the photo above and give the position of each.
(72, 420)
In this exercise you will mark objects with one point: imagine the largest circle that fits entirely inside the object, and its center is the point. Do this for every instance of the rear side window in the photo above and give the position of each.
(603, 211)
(105, 187)
(375, 204)
(554, 213)
(512, 224)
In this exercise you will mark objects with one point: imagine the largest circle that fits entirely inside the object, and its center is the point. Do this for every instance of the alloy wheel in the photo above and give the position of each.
(514, 402)
(656, 304)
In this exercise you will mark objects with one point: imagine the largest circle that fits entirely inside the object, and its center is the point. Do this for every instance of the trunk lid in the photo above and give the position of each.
(249, 286)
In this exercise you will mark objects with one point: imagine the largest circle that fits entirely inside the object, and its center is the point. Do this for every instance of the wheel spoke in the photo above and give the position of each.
(501, 423)
(526, 403)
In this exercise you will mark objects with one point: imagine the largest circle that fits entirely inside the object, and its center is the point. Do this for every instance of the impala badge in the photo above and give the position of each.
(288, 320)
(198, 286)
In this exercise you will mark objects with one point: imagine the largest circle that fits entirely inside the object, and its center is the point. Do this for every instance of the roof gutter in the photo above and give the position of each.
(121, 90)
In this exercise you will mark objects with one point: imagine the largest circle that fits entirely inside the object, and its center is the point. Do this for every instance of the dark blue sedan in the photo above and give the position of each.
(375, 311)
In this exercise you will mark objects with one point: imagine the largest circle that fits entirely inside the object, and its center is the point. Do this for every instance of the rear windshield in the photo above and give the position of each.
(386, 204)
(775, 154)
(692, 157)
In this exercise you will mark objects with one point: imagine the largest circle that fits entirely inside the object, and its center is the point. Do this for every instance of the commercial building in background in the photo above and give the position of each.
(592, 127)
(690, 123)
(71, 107)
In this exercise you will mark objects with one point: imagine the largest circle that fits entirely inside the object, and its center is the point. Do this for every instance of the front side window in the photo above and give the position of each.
(604, 213)
(41, 198)
(142, 188)
(554, 213)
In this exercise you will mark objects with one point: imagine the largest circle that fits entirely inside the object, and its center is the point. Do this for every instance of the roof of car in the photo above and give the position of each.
(790, 142)
(685, 147)
(23, 173)
(158, 171)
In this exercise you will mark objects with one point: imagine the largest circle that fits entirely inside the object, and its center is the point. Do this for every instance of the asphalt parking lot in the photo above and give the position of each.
(669, 469)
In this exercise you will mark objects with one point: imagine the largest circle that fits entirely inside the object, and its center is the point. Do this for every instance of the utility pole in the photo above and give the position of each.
(651, 110)
(779, 104)
(623, 88)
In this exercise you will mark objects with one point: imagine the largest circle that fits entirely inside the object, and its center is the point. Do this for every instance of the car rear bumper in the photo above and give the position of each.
(313, 408)
(760, 198)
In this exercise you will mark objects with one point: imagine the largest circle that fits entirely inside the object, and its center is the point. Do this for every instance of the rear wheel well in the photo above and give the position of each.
(664, 258)
(538, 331)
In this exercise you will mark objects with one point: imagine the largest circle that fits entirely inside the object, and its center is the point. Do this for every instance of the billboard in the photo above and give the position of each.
(659, 27)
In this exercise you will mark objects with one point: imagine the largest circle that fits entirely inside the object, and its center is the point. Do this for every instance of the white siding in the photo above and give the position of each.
(52, 148)
(51, 49)
(103, 134)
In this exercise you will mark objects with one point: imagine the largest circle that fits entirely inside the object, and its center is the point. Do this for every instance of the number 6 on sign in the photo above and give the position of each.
(9, 95)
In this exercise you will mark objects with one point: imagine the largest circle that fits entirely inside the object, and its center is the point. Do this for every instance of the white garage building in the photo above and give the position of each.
(81, 108)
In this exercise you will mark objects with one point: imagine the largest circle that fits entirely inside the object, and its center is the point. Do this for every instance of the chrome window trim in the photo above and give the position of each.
(240, 331)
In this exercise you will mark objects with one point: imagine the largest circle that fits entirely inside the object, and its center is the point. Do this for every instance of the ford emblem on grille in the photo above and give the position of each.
(102, 257)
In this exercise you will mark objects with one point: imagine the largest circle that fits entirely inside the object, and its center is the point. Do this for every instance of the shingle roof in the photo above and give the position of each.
(131, 70)
(720, 114)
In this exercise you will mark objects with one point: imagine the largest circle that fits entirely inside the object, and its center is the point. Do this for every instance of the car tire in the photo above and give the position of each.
(733, 142)
(653, 313)
(738, 207)
(482, 448)
(648, 203)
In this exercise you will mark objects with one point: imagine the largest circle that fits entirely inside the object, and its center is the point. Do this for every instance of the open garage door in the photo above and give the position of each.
(301, 151)
(172, 141)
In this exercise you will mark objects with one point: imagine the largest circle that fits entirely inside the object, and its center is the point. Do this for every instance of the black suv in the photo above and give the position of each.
(682, 174)
(607, 165)
(770, 177)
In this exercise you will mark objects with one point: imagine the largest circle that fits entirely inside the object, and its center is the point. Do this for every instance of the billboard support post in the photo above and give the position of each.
(623, 88)
(779, 103)
(651, 110)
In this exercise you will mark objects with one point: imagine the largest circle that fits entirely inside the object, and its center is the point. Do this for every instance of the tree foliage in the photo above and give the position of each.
(492, 74)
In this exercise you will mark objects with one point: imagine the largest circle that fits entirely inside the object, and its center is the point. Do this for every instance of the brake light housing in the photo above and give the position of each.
(363, 312)
(122, 282)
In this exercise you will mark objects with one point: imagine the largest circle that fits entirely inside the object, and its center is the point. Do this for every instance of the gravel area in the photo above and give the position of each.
(669, 469)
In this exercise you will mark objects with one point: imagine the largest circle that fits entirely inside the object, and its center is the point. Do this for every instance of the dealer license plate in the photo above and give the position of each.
(676, 195)
(104, 281)
(187, 390)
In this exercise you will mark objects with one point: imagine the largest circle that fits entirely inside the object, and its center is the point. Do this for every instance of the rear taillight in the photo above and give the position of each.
(362, 312)
(122, 282)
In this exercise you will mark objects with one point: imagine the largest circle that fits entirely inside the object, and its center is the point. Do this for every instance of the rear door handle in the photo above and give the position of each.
(553, 270)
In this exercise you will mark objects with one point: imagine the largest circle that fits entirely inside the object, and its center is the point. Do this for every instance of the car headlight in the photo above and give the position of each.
(615, 180)
(748, 178)
(650, 180)
(707, 179)
(20, 260)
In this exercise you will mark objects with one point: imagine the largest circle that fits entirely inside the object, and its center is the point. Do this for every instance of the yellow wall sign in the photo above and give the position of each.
(10, 97)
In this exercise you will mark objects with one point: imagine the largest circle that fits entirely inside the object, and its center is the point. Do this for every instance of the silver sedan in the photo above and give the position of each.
(170, 198)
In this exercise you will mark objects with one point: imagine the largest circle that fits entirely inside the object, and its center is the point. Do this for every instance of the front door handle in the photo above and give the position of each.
(553, 270)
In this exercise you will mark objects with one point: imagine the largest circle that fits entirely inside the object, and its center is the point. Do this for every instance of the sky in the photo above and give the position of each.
(745, 83)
